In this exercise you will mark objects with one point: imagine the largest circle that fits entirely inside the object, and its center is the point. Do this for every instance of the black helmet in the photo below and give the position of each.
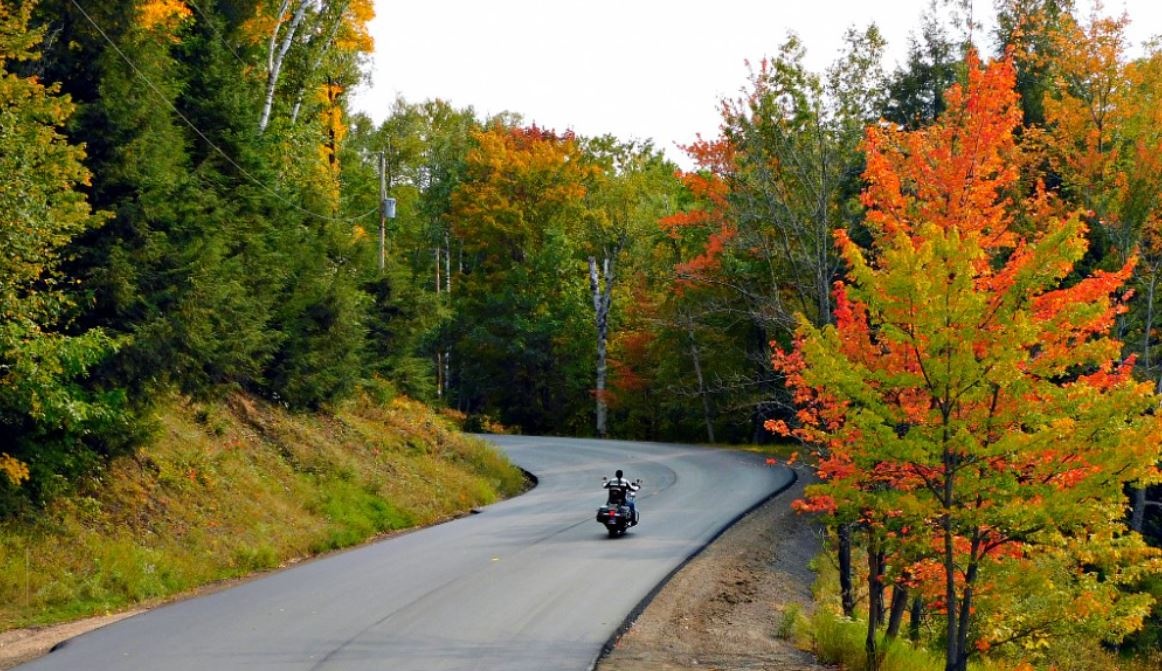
(618, 473)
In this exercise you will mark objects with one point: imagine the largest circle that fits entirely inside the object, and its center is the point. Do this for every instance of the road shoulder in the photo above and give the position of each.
(723, 609)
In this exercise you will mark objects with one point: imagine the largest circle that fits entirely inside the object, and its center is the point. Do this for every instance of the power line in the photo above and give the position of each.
(205, 138)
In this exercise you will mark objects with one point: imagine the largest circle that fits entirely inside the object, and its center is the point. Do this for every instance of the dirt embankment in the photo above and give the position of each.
(723, 610)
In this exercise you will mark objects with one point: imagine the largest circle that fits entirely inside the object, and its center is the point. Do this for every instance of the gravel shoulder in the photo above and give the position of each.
(723, 609)
(24, 645)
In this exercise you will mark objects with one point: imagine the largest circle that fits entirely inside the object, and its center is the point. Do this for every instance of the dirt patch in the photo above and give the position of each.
(723, 610)
(23, 645)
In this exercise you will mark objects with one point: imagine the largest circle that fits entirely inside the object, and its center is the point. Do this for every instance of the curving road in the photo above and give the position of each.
(530, 583)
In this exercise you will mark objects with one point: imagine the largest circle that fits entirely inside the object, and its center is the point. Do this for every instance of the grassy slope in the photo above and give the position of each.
(227, 489)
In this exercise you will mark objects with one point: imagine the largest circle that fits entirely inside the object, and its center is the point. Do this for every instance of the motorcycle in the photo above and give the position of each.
(617, 514)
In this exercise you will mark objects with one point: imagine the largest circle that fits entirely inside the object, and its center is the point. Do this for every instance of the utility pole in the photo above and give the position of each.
(386, 210)
(382, 210)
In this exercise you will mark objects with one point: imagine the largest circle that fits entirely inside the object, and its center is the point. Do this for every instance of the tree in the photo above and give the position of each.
(519, 310)
(915, 91)
(625, 203)
(969, 405)
(1104, 143)
(306, 33)
(47, 405)
(768, 196)
(1032, 28)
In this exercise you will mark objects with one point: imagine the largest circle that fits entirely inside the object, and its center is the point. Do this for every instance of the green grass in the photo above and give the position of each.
(837, 640)
(227, 489)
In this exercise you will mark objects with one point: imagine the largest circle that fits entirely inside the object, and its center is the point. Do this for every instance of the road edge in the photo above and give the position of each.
(39, 641)
(642, 605)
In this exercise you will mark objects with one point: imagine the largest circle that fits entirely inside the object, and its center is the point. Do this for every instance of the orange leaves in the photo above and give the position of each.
(632, 354)
(334, 128)
(969, 390)
(706, 224)
(163, 15)
(815, 504)
(953, 174)
(15, 470)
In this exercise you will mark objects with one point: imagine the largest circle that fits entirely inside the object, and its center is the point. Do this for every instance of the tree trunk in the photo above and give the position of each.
(881, 588)
(899, 605)
(276, 54)
(875, 601)
(846, 593)
(1138, 508)
(702, 392)
(439, 353)
(448, 292)
(1149, 326)
(966, 607)
(1138, 514)
(951, 651)
(602, 298)
(916, 619)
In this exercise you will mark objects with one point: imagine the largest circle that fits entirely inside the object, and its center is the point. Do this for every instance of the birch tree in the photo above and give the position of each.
(309, 33)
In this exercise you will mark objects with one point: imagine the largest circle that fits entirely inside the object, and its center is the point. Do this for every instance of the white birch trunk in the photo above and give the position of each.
(602, 298)
(323, 50)
(696, 358)
(276, 54)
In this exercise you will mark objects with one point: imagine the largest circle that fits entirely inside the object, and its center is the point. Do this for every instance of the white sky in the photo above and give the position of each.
(634, 68)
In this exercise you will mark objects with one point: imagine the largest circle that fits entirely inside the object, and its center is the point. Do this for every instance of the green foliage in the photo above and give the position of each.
(322, 323)
(521, 309)
(835, 640)
(358, 513)
(49, 414)
(916, 90)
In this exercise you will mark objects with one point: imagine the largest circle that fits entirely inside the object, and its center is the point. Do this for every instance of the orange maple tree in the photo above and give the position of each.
(705, 225)
(969, 408)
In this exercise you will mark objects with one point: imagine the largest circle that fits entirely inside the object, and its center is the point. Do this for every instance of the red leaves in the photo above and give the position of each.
(954, 173)
(969, 390)
(705, 227)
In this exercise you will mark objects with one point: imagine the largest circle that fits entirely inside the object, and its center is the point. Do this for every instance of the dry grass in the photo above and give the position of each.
(227, 489)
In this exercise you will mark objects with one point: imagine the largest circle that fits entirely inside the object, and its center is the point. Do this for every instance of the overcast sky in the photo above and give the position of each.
(634, 68)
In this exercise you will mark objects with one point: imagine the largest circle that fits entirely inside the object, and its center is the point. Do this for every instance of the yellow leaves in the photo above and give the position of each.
(522, 183)
(163, 16)
(15, 470)
(260, 27)
(353, 35)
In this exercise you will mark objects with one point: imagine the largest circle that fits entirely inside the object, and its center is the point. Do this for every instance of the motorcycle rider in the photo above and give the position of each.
(626, 488)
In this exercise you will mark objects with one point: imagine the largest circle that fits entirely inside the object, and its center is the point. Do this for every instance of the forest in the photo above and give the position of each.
(937, 282)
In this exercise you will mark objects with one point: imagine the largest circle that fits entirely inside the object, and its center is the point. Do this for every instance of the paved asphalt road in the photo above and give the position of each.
(530, 583)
